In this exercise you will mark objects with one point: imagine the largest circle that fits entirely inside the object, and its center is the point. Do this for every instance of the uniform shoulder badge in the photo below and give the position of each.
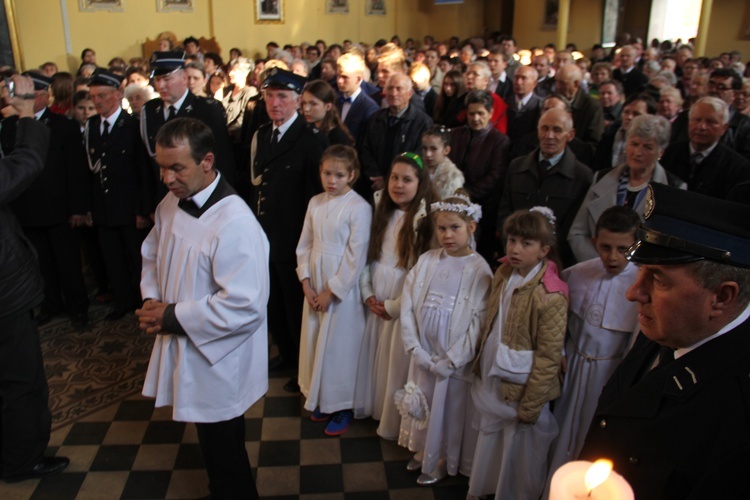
(650, 203)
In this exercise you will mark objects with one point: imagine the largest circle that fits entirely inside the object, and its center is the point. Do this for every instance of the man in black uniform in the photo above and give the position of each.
(176, 100)
(55, 203)
(121, 189)
(285, 175)
(25, 417)
(674, 416)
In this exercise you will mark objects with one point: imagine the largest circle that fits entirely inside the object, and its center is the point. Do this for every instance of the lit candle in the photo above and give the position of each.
(582, 480)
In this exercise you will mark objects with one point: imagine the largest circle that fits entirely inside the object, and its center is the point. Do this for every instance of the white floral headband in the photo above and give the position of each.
(472, 210)
(546, 212)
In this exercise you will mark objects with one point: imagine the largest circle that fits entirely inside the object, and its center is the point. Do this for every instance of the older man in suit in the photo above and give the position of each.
(524, 107)
(673, 418)
(122, 190)
(285, 176)
(549, 176)
(587, 113)
(707, 165)
(176, 101)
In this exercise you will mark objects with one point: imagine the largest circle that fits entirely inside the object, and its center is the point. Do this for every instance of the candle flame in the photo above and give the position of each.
(597, 474)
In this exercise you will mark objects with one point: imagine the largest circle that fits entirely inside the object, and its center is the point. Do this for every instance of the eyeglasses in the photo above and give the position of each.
(718, 86)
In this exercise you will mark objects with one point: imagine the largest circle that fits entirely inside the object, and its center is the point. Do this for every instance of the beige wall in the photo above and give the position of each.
(232, 22)
(728, 19)
(584, 30)
(114, 34)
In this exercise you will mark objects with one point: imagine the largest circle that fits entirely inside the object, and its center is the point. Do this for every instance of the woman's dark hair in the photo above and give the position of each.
(344, 154)
(442, 103)
(409, 246)
(62, 87)
(482, 97)
(84, 51)
(322, 90)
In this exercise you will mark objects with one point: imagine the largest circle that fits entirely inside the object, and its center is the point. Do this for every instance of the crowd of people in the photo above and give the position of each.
(385, 185)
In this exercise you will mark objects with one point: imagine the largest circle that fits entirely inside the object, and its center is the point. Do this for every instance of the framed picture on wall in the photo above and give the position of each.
(174, 5)
(374, 7)
(94, 5)
(337, 6)
(269, 11)
(551, 8)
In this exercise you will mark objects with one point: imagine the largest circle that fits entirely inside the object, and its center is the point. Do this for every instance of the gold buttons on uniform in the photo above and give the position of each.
(603, 423)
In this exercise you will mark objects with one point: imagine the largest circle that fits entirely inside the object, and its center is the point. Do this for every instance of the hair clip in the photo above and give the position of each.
(413, 157)
(547, 213)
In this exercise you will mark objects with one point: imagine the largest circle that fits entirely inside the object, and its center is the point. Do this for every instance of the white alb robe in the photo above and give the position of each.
(215, 269)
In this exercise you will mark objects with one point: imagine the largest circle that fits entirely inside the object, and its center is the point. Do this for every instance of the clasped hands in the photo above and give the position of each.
(151, 316)
(318, 301)
(377, 308)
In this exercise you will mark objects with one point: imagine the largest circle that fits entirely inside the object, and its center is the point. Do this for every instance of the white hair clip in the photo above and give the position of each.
(472, 210)
(546, 212)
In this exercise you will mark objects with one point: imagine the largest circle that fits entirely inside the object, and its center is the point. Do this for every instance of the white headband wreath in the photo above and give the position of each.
(546, 212)
(472, 210)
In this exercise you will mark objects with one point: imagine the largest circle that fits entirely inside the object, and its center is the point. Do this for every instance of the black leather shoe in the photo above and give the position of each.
(47, 466)
(116, 314)
(292, 385)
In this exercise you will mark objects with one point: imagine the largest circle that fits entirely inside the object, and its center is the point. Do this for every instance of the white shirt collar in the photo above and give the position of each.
(554, 160)
(177, 105)
(285, 126)
(356, 93)
(706, 151)
(111, 119)
(731, 326)
(201, 197)
(38, 114)
(525, 100)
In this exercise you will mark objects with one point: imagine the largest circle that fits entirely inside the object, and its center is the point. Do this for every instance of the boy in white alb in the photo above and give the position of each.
(601, 324)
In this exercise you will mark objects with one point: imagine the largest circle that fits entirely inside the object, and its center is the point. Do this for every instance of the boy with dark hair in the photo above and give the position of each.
(601, 324)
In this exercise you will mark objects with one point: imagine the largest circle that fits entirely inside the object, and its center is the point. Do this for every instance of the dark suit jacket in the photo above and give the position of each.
(62, 189)
(209, 111)
(524, 121)
(124, 186)
(505, 89)
(360, 111)
(377, 151)
(290, 179)
(545, 87)
(588, 119)
(562, 190)
(633, 82)
(603, 152)
(715, 176)
(680, 431)
(737, 135)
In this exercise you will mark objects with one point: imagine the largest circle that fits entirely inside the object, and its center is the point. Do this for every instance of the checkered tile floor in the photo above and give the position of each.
(131, 450)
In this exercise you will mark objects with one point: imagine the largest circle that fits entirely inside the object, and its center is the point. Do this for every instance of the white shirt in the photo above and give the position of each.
(284, 126)
(177, 105)
(348, 104)
(111, 119)
(202, 196)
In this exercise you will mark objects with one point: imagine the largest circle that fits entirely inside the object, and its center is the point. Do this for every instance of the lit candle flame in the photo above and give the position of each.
(597, 474)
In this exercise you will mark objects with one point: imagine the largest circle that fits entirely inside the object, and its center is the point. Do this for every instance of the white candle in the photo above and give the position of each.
(568, 484)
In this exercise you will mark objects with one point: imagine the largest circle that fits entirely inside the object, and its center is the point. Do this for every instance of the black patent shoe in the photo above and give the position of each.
(45, 467)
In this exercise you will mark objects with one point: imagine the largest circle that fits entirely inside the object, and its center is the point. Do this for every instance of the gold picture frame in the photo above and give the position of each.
(95, 5)
(269, 11)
